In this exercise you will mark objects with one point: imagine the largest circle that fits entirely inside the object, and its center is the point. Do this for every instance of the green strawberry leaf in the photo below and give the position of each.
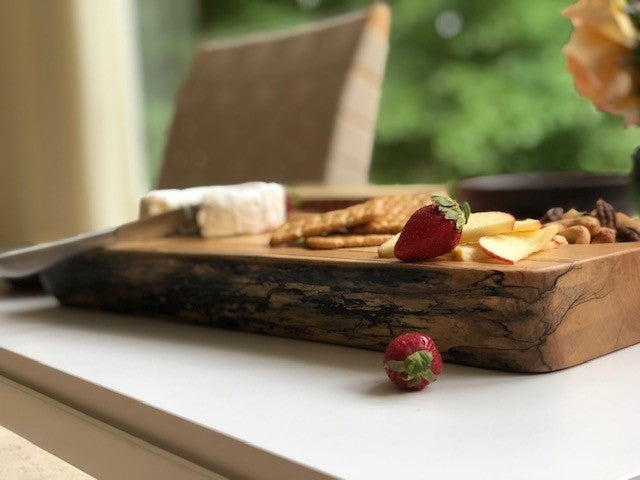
(450, 214)
(452, 210)
(396, 366)
(415, 367)
(443, 201)
(466, 209)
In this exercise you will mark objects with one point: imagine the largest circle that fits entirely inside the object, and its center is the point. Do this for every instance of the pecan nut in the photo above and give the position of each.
(628, 234)
(606, 214)
(552, 215)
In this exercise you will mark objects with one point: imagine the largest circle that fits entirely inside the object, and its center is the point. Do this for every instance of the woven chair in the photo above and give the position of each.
(295, 106)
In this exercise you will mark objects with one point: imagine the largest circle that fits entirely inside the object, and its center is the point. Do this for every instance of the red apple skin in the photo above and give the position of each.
(552, 245)
(493, 255)
(539, 240)
(556, 242)
(559, 240)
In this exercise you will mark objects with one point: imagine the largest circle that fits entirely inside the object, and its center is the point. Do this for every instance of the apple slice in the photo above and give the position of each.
(471, 252)
(556, 242)
(447, 257)
(514, 246)
(481, 224)
(386, 249)
(527, 225)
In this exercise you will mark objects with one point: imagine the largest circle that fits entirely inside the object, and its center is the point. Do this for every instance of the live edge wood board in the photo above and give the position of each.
(556, 309)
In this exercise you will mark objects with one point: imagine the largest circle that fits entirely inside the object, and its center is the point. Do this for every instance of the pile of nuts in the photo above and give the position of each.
(601, 225)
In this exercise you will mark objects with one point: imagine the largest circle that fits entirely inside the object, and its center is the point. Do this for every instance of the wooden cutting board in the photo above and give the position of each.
(556, 309)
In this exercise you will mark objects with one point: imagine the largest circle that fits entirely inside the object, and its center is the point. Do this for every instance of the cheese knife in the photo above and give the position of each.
(34, 259)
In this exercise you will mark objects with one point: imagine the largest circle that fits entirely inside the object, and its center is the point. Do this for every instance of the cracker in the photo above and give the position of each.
(396, 211)
(342, 241)
(321, 224)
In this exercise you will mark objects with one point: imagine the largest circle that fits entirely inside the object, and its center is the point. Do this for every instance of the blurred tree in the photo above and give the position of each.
(471, 87)
(167, 35)
(480, 87)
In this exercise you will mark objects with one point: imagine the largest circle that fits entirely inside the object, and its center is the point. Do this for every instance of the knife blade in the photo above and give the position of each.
(34, 259)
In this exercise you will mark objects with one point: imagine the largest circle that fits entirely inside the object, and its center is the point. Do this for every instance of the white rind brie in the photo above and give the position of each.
(225, 210)
(160, 201)
(248, 208)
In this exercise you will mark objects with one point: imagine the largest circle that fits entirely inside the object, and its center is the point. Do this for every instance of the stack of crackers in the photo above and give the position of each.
(363, 225)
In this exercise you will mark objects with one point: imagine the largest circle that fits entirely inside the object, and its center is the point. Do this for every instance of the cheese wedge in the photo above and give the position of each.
(225, 210)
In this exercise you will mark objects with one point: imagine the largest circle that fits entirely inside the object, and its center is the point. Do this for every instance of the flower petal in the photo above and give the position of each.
(606, 17)
(593, 60)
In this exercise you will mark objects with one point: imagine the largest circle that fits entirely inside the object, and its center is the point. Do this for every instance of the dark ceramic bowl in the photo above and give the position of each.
(532, 194)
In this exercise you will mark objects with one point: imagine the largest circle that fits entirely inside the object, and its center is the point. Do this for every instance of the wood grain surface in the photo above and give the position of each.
(556, 309)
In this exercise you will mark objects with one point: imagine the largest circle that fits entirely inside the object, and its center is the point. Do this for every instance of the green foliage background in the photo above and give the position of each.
(494, 98)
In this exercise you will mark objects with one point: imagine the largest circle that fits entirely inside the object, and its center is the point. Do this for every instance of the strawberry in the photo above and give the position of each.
(412, 361)
(432, 230)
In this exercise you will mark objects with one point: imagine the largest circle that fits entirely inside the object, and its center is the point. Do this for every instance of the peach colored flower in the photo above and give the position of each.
(600, 56)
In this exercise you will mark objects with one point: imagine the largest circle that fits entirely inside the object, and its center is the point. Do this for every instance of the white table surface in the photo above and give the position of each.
(325, 407)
